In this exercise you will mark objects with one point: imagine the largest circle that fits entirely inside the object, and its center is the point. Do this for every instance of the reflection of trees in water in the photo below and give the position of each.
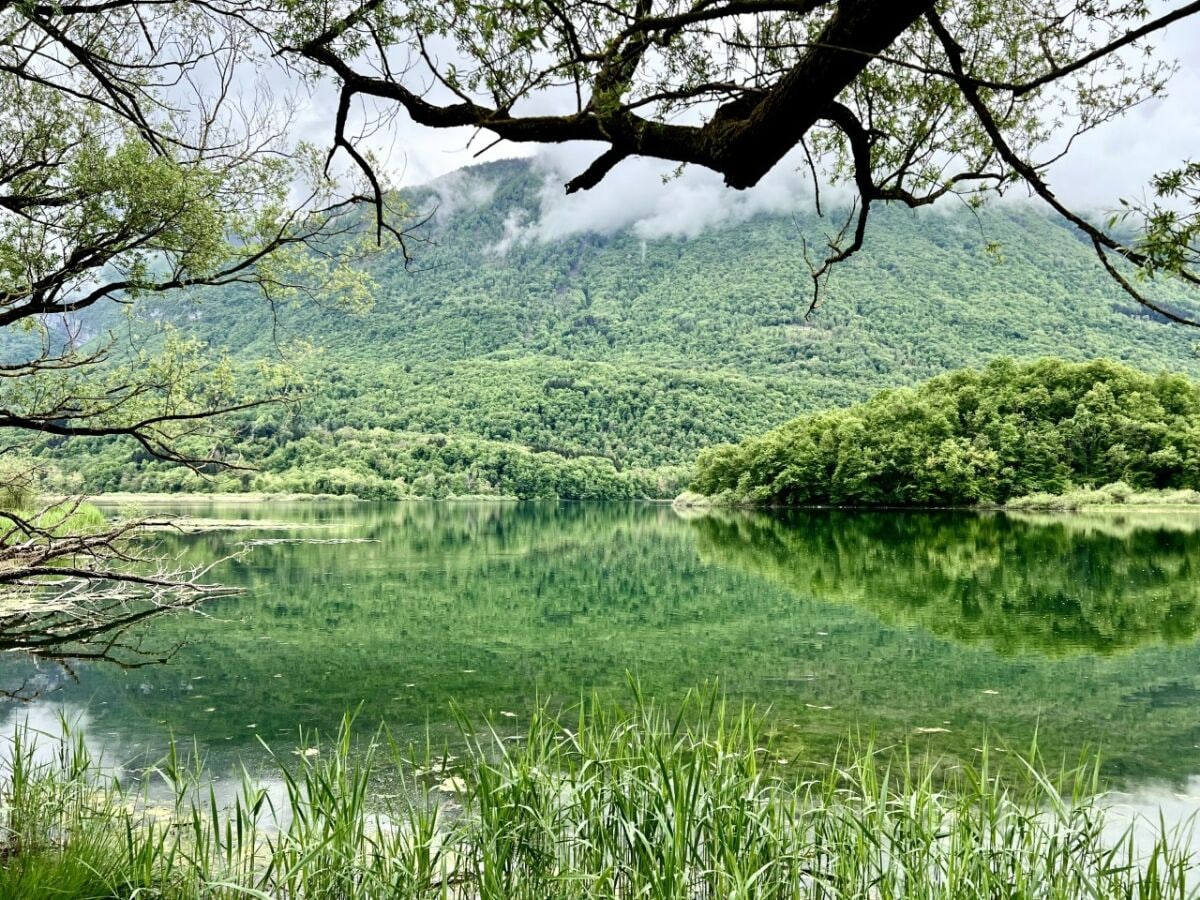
(479, 604)
(105, 628)
(495, 607)
(512, 564)
(1020, 584)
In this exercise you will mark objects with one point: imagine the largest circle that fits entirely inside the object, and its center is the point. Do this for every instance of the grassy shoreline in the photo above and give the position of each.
(1116, 497)
(1111, 496)
(596, 803)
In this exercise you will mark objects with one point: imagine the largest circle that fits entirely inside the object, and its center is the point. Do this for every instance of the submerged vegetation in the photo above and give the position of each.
(595, 803)
(974, 437)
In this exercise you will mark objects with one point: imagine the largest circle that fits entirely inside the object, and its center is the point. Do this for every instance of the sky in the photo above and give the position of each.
(1119, 159)
(1113, 162)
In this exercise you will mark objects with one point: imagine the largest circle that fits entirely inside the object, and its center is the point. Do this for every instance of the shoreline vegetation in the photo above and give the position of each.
(115, 498)
(110, 498)
(1009, 435)
(1116, 497)
(598, 802)
(1111, 496)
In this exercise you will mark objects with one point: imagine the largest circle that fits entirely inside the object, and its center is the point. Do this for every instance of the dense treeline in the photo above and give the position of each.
(974, 436)
(384, 465)
(634, 354)
(632, 413)
(595, 431)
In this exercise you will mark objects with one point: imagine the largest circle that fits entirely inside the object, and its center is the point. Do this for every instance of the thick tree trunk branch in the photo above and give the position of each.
(742, 148)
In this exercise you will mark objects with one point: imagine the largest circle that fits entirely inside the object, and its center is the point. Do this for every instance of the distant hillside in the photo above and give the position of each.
(635, 354)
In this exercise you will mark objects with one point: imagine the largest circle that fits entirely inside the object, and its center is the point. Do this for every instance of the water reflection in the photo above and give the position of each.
(934, 628)
(1022, 584)
(130, 757)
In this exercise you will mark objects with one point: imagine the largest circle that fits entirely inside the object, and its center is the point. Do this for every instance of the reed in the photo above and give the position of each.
(595, 802)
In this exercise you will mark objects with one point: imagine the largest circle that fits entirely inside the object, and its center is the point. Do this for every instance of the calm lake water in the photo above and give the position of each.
(944, 629)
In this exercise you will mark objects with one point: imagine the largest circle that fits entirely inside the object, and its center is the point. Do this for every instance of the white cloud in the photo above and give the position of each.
(649, 198)
(514, 232)
(459, 191)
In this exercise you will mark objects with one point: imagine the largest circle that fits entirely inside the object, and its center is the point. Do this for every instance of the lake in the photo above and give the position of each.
(943, 629)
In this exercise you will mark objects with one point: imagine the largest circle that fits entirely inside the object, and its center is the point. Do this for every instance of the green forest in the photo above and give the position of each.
(598, 366)
(872, 329)
(974, 436)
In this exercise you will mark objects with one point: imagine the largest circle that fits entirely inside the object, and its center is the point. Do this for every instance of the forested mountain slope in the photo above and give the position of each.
(638, 351)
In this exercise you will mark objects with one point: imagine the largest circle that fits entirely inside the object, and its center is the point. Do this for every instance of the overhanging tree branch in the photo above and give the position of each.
(1100, 240)
(761, 77)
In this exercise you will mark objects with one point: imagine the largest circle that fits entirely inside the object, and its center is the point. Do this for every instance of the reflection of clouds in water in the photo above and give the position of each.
(1145, 809)
(43, 724)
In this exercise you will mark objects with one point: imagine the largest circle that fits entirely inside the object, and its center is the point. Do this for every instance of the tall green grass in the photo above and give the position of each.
(1116, 494)
(599, 802)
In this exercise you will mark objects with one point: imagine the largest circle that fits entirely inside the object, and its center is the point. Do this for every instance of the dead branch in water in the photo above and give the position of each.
(74, 589)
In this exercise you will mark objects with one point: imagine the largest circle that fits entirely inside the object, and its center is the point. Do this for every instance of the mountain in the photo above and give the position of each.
(597, 364)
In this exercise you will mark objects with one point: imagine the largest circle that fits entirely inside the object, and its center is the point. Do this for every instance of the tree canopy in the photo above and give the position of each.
(975, 436)
(139, 159)
(904, 101)
(140, 156)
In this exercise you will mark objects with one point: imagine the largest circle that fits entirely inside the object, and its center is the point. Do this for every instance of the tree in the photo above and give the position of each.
(906, 101)
(140, 158)
(972, 437)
